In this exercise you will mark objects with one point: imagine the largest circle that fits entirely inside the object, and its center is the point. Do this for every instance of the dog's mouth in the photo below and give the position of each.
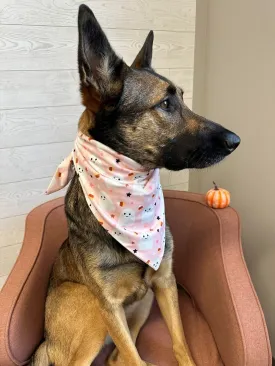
(197, 160)
(199, 151)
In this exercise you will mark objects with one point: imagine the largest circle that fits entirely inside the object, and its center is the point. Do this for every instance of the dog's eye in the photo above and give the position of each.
(165, 104)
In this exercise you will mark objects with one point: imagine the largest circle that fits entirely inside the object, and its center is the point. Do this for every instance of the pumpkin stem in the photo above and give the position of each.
(215, 186)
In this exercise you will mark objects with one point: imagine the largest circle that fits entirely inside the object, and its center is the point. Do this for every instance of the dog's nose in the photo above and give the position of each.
(231, 141)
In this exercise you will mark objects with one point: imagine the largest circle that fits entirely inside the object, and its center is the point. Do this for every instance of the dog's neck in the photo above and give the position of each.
(86, 122)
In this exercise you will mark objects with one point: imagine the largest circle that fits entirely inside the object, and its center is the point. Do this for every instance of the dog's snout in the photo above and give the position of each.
(230, 141)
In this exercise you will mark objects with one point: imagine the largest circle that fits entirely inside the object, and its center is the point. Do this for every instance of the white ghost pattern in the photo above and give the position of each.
(145, 243)
(147, 214)
(127, 217)
(105, 202)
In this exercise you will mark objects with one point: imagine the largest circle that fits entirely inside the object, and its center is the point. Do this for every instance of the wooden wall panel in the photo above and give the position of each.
(34, 126)
(20, 197)
(177, 15)
(3, 280)
(55, 48)
(8, 257)
(28, 89)
(12, 230)
(32, 162)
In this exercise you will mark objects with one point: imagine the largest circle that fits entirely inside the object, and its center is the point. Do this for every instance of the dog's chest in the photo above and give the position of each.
(117, 273)
(130, 284)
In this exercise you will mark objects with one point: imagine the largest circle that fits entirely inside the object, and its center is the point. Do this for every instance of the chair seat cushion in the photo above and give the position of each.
(154, 343)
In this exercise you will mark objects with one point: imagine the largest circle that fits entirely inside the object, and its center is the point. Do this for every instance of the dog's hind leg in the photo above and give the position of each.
(74, 326)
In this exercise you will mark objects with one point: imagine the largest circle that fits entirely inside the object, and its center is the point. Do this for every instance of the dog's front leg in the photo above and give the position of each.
(114, 317)
(166, 293)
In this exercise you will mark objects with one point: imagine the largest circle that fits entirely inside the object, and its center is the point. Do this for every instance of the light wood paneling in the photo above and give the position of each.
(179, 187)
(19, 198)
(12, 230)
(179, 177)
(31, 162)
(51, 48)
(28, 89)
(2, 281)
(8, 257)
(19, 127)
(170, 178)
(164, 177)
(177, 15)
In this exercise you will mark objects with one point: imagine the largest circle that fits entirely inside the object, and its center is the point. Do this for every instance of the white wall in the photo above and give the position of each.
(39, 99)
(235, 85)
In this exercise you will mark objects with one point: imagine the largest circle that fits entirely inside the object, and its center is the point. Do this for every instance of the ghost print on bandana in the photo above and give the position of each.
(126, 199)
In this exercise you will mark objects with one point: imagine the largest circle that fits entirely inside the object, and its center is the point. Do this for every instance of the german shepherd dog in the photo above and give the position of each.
(98, 287)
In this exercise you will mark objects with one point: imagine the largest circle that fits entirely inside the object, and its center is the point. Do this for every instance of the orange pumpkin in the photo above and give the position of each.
(217, 197)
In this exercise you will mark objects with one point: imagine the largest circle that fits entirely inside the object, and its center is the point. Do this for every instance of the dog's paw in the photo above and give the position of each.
(115, 360)
(186, 362)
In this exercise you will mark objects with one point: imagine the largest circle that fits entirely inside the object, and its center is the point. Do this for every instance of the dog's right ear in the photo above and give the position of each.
(101, 70)
(144, 57)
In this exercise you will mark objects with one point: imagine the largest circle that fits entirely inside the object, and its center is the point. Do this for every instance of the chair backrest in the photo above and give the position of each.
(22, 299)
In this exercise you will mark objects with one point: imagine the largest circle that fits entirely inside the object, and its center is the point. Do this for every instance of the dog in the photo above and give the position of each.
(98, 287)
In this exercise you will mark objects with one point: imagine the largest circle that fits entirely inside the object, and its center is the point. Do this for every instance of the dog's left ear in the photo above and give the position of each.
(101, 71)
(144, 57)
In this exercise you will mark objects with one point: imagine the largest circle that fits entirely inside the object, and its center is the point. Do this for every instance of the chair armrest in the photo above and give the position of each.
(22, 299)
(209, 263)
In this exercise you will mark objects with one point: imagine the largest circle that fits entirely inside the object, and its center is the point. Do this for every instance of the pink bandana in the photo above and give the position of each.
(126, 199)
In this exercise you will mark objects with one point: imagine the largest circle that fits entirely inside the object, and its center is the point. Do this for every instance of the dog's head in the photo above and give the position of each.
(140, 113)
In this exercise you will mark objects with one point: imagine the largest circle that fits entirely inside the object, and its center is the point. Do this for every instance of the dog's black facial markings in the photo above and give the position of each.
(171, 89)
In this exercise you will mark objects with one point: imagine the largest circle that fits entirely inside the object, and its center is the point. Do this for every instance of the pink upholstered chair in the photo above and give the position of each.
(221, 313)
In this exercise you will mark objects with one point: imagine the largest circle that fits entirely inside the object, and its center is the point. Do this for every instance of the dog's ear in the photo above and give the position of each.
(101, 70)
(144, 57)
